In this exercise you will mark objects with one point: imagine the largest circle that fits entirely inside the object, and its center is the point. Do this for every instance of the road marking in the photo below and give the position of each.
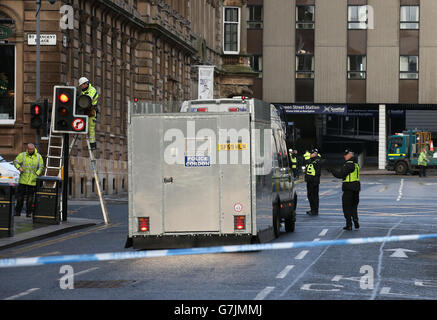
(264, 293)
(323, 233)
(25, 293)
(301, 255)
(283, 273)
(316, 239)
(381, 254)
(401, 187)
(399, 252)
(307, 268)
(82, 272)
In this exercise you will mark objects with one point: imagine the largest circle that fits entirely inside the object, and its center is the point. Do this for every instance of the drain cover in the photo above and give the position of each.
(102, 284)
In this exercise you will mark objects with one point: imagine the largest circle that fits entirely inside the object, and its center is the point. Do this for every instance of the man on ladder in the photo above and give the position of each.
(89, 90)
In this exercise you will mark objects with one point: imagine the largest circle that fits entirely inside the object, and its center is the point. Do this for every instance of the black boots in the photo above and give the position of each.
(348, 228)
(93, 145)
(310, 213)
(356, 224)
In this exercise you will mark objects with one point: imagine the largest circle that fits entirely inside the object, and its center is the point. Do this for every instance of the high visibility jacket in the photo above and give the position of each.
(293, 161)
(312, 171)
(353, 176)
(32, 166)
(307, 156)
(423, 159)
(92, 93)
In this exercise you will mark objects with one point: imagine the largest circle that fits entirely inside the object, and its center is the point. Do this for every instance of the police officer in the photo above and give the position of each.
(350, 173)
(422, 163)
(30, 164)
(90, 91)
(312, 178)
(293, 160)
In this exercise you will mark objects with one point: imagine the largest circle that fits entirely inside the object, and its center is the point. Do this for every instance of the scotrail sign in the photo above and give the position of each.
(313, 109)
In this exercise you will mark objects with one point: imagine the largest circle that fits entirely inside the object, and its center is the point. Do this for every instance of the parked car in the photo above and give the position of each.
(8, 172)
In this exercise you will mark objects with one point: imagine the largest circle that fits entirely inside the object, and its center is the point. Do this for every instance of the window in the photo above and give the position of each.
(409, 67)
(255, 15)
(7, 84)
(356, 67)
(357, 17)
(304, 67)
(256, 63)
(409, 17)
(305, 17)
(231, 25)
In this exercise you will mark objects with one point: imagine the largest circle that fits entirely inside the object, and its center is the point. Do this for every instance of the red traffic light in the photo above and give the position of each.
(63, 98)
(35, 110)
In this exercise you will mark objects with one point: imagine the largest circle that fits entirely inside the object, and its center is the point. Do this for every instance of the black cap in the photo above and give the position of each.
(347, 151)
(314, 151)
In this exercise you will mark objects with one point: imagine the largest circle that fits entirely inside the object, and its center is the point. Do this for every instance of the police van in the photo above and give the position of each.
(215, 173)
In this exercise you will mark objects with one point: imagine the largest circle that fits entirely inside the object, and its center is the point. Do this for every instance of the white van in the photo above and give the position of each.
(216, 173)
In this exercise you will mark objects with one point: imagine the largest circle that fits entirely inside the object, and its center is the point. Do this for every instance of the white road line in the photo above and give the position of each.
(303, 273)
(25, 293)
(264, 293)
(301, 255)
(283, 273)
(381, 253)
(316, 239)
(401, 187)
(323, 233)
(83, 272)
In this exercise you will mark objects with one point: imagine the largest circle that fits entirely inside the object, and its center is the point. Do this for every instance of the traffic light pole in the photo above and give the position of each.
(66, 152)
(38, 49)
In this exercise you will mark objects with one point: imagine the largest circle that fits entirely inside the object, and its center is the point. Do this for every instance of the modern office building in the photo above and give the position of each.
(351, 72)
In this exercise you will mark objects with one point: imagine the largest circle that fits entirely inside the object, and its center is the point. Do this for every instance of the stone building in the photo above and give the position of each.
(145, 49)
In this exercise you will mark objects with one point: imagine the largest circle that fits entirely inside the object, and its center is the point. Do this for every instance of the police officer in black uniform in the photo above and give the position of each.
(350, 173)
(312, 178)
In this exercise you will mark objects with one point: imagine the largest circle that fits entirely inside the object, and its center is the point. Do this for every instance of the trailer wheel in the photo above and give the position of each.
(401, 168)
(276, 219)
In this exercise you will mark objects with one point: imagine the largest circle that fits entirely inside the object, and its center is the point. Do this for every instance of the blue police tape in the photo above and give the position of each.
(35, 261)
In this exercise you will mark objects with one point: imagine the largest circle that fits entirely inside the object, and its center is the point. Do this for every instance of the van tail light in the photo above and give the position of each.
(233, 109)
(202, 109)
(143, 224)
(239, 223)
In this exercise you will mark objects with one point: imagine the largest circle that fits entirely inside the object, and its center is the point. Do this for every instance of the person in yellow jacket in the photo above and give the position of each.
(30, 164)
(90, 91)
(422, 163)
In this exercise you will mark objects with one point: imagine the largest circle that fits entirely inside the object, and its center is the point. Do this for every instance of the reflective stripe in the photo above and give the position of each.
(310, 170)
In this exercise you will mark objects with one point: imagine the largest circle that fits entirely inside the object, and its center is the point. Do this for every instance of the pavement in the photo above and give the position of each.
(25, 231)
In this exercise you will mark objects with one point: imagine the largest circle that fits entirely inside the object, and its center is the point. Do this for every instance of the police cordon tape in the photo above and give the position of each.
(36, 261)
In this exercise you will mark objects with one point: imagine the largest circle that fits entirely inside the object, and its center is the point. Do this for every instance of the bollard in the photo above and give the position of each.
(47, 200)
(7, 192)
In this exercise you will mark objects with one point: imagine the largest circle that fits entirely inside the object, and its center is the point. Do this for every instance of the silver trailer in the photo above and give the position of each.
(215, 173)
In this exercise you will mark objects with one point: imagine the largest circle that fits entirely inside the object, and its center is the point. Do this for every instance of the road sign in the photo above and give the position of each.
(78, 124)
(44, 39)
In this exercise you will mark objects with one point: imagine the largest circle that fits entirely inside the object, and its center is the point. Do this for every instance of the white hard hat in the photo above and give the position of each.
(83, 80)
(290, 149)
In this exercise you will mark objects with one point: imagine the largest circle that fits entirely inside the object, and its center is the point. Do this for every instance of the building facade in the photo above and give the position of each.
(144, 49)
(350, 72)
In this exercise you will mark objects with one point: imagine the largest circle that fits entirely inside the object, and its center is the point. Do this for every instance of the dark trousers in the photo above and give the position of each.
(22, 192)
(350, 202)
(422, 171)
(313, 196)
(295, 173)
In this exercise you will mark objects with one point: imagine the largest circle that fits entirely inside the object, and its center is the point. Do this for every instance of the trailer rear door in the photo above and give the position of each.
(191, 190)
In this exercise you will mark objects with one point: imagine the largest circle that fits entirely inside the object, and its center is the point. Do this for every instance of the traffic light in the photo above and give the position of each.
(64, 117)
(36, 115)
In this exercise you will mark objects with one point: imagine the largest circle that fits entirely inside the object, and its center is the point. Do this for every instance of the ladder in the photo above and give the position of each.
(54, 165)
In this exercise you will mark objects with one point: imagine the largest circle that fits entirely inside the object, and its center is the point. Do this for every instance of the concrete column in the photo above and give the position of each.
(382, 141)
